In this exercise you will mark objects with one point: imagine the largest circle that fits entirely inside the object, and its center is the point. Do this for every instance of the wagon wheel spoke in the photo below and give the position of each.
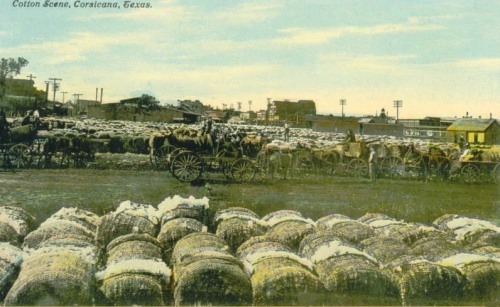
(186, 166)
(392, 166)
(243, 170)
(163, 156)
(470, 173)
(357, 168)
(20, 156)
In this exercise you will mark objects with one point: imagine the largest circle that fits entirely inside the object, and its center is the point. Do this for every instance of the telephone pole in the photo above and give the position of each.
(55, 87)
(398, 104)
(343, 102)
(64, 93)
(29, 94)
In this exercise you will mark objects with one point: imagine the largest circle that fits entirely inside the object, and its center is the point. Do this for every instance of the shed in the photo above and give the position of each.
(475, 131)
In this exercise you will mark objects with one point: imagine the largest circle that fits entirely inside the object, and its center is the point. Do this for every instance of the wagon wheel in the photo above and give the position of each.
(162, 157)
(20, 156)
(470, 173)
(495, 173)
(357, 168)
(243, 170)
(392, 166)
(412, 160)
(187, 166)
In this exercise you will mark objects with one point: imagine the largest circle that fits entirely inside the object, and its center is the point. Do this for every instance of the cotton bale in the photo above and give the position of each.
(85, 218)
(174, 230)
(423, 282)
(369, 217)
(55, 227)
(180, 207)
(288, 227)
(481, 237)
(279, 276)
(8, 233)
(10, 260)
(133, 246)
(211, 277)
(409, 233)
(482, 275)
(54, 276)
(135, 282)
(128, 218)
(197, 242)
(349, 274)
(434, 247)
(383, 248)
(275, 216)
(345, 227)
(248, 244)
(462, 225)
(17, 218)
(236, 226)
(490, 251)
(327, 221)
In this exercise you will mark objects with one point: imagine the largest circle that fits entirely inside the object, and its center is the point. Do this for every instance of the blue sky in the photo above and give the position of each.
(442, 58)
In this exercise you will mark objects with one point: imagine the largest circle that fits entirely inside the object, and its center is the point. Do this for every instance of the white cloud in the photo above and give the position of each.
(79, 45)
(319, 36)
(366, 62)
(481, 63)
(247, 12)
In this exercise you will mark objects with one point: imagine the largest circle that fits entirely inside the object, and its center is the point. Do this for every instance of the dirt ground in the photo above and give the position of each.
(43, 192)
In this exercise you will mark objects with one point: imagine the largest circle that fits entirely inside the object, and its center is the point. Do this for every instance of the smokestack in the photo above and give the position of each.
(491, 115)
(101, 93)
(96, 92)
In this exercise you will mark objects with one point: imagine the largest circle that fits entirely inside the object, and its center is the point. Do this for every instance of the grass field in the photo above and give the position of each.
(43, 192)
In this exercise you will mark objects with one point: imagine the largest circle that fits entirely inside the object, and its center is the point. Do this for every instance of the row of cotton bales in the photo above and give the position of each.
(58, 261)
(133, 137)
(15, 224)
(183, 253)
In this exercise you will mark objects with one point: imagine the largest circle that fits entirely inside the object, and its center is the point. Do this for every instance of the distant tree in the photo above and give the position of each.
(8, 67)
(147, 103)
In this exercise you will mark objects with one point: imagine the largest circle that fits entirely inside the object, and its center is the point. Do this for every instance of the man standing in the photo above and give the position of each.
(372, 162)
(287, 132)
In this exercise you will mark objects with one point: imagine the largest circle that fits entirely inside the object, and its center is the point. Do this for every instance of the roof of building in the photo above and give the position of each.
(471, 124)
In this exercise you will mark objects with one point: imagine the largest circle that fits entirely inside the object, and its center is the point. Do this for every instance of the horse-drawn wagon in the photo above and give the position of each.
(15, 146)
(26, 146)
(188, 154)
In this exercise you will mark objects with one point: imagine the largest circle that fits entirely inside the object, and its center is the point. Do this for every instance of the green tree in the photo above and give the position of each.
(147, 103)
(8, 67)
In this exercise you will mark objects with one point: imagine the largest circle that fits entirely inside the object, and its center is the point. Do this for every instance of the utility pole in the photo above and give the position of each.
(398, 104)
(64, 93)
(343, 102)
(249, 105)
(29, 95)
(46, 92)
(55, 87)
(268, 110)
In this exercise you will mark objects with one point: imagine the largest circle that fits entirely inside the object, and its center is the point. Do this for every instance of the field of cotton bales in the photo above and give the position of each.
(120, 232)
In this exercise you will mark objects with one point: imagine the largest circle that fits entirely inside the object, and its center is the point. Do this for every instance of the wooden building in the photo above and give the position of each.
(475, 131)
